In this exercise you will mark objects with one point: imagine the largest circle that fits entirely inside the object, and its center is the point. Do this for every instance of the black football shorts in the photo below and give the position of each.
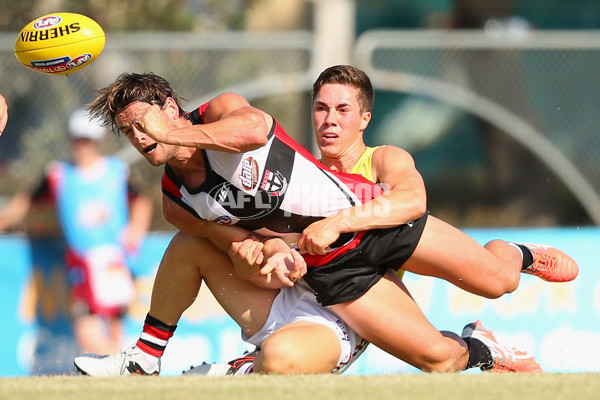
(350, 275)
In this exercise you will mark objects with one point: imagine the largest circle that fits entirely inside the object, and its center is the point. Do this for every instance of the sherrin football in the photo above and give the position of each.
(59, 43)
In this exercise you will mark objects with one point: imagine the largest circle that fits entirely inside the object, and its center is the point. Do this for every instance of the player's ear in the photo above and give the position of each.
(171, 107)
(365, 119)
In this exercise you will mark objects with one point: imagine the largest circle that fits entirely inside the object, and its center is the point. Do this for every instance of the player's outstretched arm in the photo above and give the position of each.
(230, 124)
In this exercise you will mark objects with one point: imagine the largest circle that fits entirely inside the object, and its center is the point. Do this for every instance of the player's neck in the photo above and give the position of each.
(190, 168)
(344, 161)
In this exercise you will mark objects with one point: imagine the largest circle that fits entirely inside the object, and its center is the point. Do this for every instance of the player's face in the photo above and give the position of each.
(156, 153)
(336, 118)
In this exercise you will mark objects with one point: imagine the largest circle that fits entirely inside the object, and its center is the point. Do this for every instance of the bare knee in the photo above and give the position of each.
(183, 247)
(182, 243)
(505, 273)
(447, 355)
(287, 357)
(278, 357)
(499, 284)
(437, 358)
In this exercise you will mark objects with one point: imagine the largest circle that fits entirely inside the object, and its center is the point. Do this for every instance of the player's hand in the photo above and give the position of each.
(300, 268)
(246, 257)
(285, 267)
(154, 122)
(3, 114)
(317, 237)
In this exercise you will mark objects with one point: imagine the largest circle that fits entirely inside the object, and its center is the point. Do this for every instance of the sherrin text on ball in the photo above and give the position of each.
(59, 43)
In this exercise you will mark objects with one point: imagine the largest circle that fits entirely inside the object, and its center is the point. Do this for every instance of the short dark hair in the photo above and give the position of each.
(126, 89)
(347, 75)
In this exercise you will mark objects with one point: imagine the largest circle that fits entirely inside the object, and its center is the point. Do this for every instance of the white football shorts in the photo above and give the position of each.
(298, 303)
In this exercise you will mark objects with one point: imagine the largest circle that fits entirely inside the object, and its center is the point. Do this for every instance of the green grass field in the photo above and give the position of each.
(584, 386)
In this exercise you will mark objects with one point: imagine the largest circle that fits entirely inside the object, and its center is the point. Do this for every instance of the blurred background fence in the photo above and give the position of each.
(530, 96)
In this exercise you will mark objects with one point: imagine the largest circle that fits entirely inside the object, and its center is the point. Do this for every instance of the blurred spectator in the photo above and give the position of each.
(103, 220)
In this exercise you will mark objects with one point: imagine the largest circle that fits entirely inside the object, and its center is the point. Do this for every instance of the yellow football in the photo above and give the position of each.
(59, 43)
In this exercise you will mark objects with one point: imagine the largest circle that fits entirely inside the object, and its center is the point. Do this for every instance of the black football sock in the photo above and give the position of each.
(479, 355)
(527, 256)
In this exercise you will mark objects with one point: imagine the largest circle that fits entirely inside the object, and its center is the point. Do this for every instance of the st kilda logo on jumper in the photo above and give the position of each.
(243, 205)
(274, 183)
